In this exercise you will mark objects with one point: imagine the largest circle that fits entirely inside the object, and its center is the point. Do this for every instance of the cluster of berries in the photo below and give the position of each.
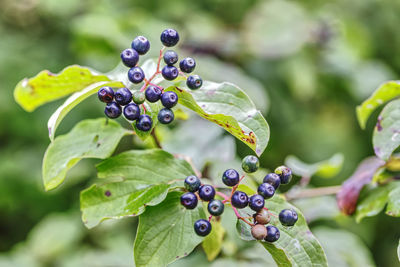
(240, 200)
(131, 102)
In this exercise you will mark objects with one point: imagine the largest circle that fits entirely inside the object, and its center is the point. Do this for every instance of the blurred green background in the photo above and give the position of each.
(305, 63)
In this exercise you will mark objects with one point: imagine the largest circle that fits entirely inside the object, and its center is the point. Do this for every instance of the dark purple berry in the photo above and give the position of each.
(123, 96)
(169, 99)
(113, 110)
(132, 112)
(170, 57)
(153, 93)
(194, 82)
(284, 173)
(273, 234)
(192, 183)
(189, 200)
(169, 73)
(187, 64)
(202, 227)
(250, 164)
(272, 179)
(215, 207)
(136, 75)
(130, 57)
(206, 192)
(169, 37)
(141, 45)
(239, 200)
(106, 94)
(144, 123)
(266, 190)
(288, 217)
(165, 116)
(230, 177)
(256, 202)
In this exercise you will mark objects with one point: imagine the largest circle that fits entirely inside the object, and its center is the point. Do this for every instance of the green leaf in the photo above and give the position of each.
(393, 207)
(212, 244)
(144, 167)
(325, 169)
(147, 174)
(386, 136)
(296, 246)
(398, 250)
(88, 139)
(343, 248)
(118, 200)
(374, 200)
(228, 106)
(384, 93)
(372, 203)
(72, 102)
(46, 86)
(165, 232)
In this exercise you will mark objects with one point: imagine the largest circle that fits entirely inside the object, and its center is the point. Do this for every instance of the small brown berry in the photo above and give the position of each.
(259, 231)
(262, 217)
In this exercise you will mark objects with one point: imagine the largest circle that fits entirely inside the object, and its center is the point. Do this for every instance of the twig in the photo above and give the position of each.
(155, 138)
(314, 192)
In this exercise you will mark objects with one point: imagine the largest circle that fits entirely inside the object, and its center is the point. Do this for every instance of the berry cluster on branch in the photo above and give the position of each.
(131, 105)
(239, 200)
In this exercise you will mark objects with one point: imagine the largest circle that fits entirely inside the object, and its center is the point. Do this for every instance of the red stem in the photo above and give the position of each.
(147, 82)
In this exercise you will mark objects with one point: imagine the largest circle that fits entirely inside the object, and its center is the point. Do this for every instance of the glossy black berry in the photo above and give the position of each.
(206, 192)
(239, 200)
(256, 202)
(194, 82)
(141, 45)
(170, 57)
(132, 112)
(215, 207)
(123, 96)
(259, 231)
(284, 173)
(169, 72)
(165, 116)
(106, 94)
(202, 227)
(144, 123)
(288, 217)
(138, 97)
(136, 75)
(192, 183)
(153, 93)
(187, 64)
(262, 217)
(113, 110)
(272, 179)
(169, 37)
(250, 164)
(266, 190)
(189, 200)
(130, 57)
(273, 234)
(169, 99)
(230, 177)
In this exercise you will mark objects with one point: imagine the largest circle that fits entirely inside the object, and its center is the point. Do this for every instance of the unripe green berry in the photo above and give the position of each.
(250, 164)
(138, 97)
(259, 231)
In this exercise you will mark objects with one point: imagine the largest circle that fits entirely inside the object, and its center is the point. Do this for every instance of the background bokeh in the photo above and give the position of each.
(305, 63)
